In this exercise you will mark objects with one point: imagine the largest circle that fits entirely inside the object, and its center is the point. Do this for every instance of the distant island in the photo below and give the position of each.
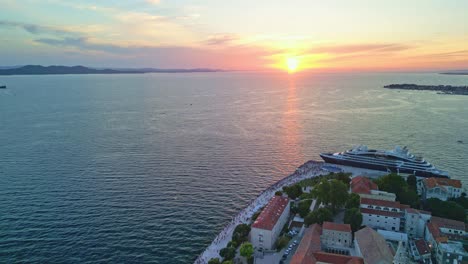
(441, 89)
(43, 70)
(455, 73)
(458, 72)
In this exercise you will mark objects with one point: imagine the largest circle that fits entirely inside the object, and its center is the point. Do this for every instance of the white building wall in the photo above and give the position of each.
(423, 220)
(415, 224)
(411, 224)
(333, 238)
(381, 222)
(452, 231)
(441, 194)
(262, 238)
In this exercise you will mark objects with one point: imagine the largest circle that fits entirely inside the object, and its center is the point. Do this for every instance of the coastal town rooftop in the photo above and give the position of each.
(448, 223)
(322, 257)
(271, 213)
(308, 251)
(422, 247)
(434, 182)
(336, 227)
(435, 225)
(415, 211)
(363, 185)
(383, 203)
(309, 244)
(380, 212)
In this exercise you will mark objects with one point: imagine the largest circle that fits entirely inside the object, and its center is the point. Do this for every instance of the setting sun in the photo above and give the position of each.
(292, 64)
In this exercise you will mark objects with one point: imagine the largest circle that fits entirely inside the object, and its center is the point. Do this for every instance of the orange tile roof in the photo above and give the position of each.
(308, 251)
(336, 227)
(323, 257)
(433, 182)
(380, 212)
(433, 229)
(361, 184)
(448, 223)
(271, 213)
(309, 244)
(437, 222)
(381, 203)
(422, 247)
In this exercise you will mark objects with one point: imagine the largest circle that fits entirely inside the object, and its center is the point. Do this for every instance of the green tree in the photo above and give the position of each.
(232, 244)
(462, 200)
(282, 242)
(214, 261)
(241, 233)
(293, 191)
(303, 208)
(246, 250)
(343, 177)
(318, 216)
(449, 209)
(338, 194)
(392, 183)
(228, 262)
(409, 197)
(405, 193)
(278, 193)
(228, 253)
(293, 209)
(354, 200)
(321, 191)
(412, 182)
(354, 218)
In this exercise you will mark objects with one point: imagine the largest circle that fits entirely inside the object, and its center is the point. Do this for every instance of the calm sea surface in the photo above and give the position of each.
(149, 168)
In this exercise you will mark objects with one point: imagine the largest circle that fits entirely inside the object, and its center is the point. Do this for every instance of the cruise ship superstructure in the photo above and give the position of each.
(398, 160)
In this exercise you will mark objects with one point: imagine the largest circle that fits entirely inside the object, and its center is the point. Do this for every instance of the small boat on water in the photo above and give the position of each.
(2, 86)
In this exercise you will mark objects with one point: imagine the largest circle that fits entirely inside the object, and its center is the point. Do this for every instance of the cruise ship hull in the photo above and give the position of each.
(371, 166)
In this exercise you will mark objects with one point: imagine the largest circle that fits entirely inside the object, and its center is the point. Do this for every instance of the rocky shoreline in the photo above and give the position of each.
(441, 89)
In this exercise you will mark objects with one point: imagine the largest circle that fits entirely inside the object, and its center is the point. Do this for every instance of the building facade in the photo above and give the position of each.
(381, 214)
(444, 236)
(336, 235)
(309, 250)
(441, 188)
(268, 225)
(415, 222)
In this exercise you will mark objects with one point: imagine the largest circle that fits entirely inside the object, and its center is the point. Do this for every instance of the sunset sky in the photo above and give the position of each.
(239, 35)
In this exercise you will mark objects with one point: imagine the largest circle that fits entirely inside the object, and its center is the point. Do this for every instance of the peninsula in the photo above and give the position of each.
(43, 70)
(442, 89)
(458, 72)
(329, 213)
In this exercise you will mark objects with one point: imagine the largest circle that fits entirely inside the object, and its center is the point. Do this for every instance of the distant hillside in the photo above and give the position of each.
(456, 72)
(41, 70)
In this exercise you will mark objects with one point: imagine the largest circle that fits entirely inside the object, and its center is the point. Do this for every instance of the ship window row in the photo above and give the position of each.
(390, 163)
(380, 208)
(385, 159)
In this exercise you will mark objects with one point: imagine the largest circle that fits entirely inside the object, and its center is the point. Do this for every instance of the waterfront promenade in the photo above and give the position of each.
(309, 169)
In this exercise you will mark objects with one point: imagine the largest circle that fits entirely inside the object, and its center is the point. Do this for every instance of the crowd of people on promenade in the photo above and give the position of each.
(308, 170)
